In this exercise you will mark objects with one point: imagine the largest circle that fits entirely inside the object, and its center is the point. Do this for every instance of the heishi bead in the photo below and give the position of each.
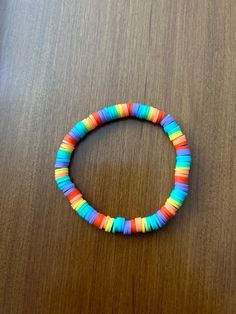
(125, 110)
(102, 116)
(104, 223)
(150, 114)
(138, 223)
(144, 224)
(127, 227)
(109, 224)
(97, 118)
(155, 115)
(135, 109)
(119, 110)
(133, 226)
(130, 108)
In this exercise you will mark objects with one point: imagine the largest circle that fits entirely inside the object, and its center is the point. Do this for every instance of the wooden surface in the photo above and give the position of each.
(62, 60)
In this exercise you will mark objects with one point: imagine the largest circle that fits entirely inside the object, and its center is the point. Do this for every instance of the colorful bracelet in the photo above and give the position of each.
(120, 224)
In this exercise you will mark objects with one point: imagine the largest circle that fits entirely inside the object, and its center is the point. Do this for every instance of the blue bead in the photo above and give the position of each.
(161, 217)
(127, 227)
(93, 216)
(61, 164)
(135, 108)
(181, 186)
(103, 116)
(69, 186)
(88, 213)
(74, 134)
(167, 120)
(183, 152)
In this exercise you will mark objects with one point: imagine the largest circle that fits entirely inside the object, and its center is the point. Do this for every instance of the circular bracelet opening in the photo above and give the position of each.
(124, 168)
(177, 196)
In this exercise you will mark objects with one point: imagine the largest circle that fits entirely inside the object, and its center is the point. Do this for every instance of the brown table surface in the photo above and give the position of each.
(62, 60)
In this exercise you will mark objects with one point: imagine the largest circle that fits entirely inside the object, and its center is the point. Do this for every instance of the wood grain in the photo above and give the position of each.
(62, 60)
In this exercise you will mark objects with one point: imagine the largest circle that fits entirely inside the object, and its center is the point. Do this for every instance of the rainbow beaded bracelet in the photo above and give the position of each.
(120, 224)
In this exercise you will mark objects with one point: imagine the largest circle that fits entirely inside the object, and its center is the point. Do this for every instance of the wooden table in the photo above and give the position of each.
(62, 60)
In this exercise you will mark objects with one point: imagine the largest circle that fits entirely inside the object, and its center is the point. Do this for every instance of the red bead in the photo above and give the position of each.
(97, 118)
(161, 116)
(97, 222)
(72, 194)
(130, 107)
(166, 213)
(181, 179)
(133, 226)
(182, 147)
(73, 141)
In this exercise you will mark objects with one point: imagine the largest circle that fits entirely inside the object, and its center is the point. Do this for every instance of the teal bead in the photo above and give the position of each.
(115, 225)
(85, 127)
(115, 112)
(153, 222)
(108, 113)
(118, 225)
(59, 159)
(184, 158)
(172, 131)
(121, 224)
(82, 210)
(180, 192)
(148, 220)
(183, 164)
(62, 179)
(111, 112)
(64, 184)
(177, 197)
(80, 129)
(63, 153)
(170, 126)
(159, 224)
(89, 212)
(143, 112)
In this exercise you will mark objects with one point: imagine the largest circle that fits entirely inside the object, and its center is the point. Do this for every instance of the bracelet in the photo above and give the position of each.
(120, 224)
